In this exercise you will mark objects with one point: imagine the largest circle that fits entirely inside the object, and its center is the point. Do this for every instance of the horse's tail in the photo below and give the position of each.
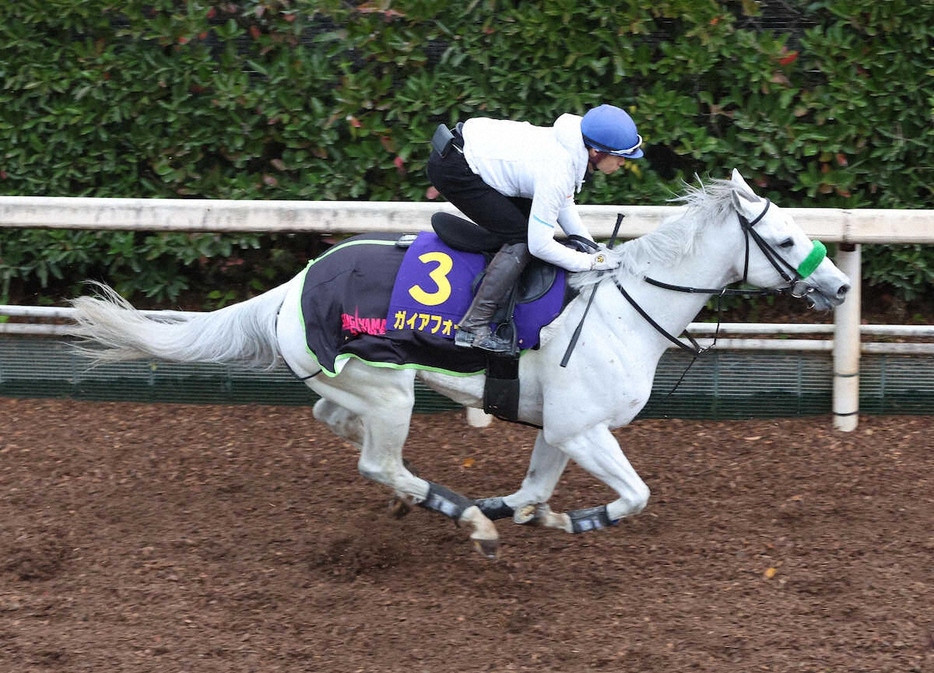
(111, 329)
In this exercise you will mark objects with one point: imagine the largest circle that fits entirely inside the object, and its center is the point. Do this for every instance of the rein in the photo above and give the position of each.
(779, 263)
(593, 293)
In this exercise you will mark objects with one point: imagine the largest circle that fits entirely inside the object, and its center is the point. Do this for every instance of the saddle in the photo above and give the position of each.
(538, 275)
(501, 394)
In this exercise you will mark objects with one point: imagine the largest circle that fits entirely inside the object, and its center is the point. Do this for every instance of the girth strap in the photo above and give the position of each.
(501, 391)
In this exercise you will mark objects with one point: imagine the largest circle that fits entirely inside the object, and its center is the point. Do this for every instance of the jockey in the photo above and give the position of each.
(518, 182)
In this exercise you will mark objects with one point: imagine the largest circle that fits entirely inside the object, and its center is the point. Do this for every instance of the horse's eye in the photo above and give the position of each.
(787, 243)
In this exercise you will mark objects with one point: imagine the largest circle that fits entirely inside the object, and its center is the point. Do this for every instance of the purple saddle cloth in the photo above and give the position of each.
(372, 298)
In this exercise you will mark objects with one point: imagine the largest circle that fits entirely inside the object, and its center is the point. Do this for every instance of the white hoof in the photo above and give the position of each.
(485, 536)
(488, 548)
(525, 515)
(549, 519)
(541, 515)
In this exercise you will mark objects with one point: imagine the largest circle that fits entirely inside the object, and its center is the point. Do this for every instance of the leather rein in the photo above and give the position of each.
(789, 273)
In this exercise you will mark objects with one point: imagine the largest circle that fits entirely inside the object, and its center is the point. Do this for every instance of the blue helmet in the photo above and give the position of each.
(611, 130)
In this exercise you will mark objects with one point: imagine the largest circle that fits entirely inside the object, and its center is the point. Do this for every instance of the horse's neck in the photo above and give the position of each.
(711, 264)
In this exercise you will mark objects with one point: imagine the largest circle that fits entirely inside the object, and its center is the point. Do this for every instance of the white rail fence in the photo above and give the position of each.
(849, 228)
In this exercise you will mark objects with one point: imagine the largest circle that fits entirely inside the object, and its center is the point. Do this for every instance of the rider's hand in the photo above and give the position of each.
(600, 261)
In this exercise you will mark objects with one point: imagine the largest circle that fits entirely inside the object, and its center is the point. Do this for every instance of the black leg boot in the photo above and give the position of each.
(500, 277)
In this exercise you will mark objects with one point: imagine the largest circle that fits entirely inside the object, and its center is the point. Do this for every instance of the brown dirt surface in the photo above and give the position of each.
(171, 538)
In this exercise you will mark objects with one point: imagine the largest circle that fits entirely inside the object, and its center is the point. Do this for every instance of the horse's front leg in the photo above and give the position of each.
(596, 451)
(546, 466)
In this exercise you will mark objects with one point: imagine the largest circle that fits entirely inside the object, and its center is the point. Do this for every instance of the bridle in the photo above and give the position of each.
(792, 275)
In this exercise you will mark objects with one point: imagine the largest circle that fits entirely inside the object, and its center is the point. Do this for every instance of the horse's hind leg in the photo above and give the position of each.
(375, 416)
(381, 460)
(342, 422)
(349, 427)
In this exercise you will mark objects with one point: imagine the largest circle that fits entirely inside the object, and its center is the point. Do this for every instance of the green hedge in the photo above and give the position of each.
(827, 103)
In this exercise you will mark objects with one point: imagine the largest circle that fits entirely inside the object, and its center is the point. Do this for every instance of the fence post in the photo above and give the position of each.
(846, 343)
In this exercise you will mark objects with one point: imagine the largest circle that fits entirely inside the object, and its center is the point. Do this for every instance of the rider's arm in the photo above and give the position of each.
(554, 192)
(542, 244)
(570, 221)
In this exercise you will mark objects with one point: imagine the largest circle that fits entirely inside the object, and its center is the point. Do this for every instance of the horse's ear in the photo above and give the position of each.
(738, 180)
(742, 200)
(742, 192)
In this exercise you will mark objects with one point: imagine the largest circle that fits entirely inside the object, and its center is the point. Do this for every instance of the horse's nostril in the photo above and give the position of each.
(843, 290)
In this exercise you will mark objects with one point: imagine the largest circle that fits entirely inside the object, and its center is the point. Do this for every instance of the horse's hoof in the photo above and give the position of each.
(488, 548)
(398, 508)
(526, 515)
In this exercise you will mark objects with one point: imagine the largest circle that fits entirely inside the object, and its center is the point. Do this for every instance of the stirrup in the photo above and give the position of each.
(463, 338)
(495, 344)
(467, 338)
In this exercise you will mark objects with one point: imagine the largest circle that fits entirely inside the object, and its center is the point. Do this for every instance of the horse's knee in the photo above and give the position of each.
(630, 504)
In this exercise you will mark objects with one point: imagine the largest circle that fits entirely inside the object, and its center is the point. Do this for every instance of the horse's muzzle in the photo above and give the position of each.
(818, 297)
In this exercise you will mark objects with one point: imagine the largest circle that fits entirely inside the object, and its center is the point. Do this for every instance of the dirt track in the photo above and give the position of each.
(204, 538)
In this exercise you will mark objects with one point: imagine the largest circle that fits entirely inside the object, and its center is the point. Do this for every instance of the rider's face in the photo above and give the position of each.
(606, 163)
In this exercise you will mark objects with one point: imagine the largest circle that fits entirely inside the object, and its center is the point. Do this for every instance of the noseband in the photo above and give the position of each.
(790, 274)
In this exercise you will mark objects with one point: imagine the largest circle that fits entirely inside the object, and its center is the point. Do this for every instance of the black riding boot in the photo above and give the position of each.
(500, 277)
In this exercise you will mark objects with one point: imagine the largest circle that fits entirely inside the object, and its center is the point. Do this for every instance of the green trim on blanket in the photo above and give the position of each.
(390, 365)
(347, 244)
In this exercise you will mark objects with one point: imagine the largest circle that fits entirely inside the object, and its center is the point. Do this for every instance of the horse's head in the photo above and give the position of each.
(779, 253)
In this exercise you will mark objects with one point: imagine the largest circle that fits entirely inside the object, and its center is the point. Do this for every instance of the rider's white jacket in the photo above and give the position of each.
(545, 164)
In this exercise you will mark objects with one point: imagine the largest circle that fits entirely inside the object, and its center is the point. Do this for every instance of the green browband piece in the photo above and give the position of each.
(813, 260)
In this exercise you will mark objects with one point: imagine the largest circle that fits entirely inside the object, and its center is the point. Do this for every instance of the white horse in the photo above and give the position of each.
(724, 233)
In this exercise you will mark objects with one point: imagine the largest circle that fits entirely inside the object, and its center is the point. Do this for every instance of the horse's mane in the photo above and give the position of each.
(704, 205)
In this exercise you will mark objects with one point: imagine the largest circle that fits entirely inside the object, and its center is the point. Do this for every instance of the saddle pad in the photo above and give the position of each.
(435, 286)
(359, 302)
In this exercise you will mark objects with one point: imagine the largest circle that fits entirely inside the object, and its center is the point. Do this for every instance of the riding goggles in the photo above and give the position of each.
(600, 147)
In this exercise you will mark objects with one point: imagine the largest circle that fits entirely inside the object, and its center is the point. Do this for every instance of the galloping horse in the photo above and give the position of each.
(621, 322)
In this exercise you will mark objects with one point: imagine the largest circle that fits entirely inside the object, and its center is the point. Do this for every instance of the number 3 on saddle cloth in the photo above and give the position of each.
(395, 302)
